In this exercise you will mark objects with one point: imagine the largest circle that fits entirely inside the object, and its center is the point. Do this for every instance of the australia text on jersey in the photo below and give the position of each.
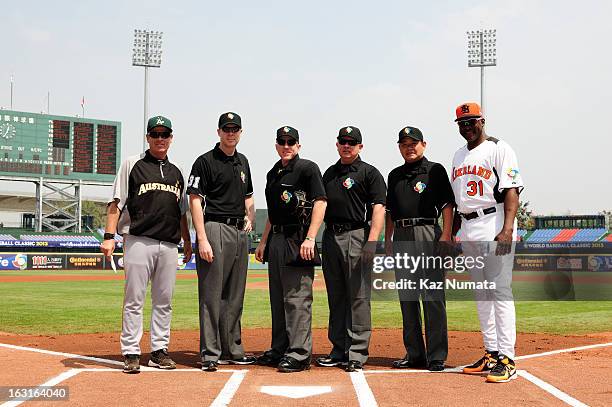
(156, 186)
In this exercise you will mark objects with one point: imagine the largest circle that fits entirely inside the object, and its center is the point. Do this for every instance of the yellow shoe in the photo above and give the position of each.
(484, 364)
(504, 370)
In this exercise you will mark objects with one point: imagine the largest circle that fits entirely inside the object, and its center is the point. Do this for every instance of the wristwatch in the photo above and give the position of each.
(109, 236)
(310, 238)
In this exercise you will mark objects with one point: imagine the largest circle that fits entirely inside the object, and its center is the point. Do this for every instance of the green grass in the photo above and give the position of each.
(95, 306)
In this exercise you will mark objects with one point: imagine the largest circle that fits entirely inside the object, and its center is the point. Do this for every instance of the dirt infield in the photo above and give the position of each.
(581, 374)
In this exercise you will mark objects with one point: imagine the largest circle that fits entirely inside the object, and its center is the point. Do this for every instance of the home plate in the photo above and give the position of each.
(295, 392)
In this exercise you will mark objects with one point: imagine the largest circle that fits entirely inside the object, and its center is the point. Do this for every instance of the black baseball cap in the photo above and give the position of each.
(410, 132)
(229, 118)
(350, 132)
(289, 132)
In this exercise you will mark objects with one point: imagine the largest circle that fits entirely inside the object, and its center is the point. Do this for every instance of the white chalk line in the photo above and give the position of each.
(224, 398)
(67, 355)
(362, 389)
(555, 352)
(549, 388)
(51, 382)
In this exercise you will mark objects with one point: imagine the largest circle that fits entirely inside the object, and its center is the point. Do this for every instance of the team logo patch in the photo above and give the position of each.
(242, 176)
(286, 129)
(348, 183)
(420, 187)
(286, 196)
(513, 173)
(465, 108)
(230, 116)
(349, 130)
(20, 261)
(159, 120)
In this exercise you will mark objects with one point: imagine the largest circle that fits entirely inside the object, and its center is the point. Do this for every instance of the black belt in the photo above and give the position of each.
(474, 215)
(291, 228)
(404, 223)
(345, 227)
(238, 223)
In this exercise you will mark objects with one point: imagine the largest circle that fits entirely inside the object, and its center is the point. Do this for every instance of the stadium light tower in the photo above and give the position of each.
(147, 53)
(482, 53)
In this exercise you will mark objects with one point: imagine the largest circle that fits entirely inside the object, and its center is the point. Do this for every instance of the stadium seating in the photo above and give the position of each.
(59, 238)
(565, 235)
(608, 238)
(543, 235)
(6, 237)
(588, 235)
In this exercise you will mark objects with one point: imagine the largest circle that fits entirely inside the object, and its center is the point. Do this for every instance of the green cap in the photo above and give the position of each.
(159, 121)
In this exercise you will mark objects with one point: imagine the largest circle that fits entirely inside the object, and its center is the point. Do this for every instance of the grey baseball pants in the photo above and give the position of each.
(221, 286)
(147, 259)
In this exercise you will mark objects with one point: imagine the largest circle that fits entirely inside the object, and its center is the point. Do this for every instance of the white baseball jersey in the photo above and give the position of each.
(480, 175)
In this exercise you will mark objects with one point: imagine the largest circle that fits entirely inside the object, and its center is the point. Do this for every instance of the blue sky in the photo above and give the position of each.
(321, 65)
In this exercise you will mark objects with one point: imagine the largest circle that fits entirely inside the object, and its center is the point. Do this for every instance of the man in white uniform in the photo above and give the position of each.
(487, 182)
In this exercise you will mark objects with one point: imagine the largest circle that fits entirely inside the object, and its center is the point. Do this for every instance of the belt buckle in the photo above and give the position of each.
(407, 223)
(275, 229)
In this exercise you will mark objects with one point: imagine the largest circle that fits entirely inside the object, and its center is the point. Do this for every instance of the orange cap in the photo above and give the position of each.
(467, 110)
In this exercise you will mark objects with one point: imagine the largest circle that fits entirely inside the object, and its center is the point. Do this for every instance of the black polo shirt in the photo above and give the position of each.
(418, 190)
(223, 181)
(282, 182)
(351, 189)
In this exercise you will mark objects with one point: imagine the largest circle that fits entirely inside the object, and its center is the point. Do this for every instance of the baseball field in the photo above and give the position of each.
(62, 329)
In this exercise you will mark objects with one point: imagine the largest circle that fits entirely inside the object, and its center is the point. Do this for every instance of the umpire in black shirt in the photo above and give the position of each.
(223, 210)
(354, 190)
(292, 185)
(418, 192)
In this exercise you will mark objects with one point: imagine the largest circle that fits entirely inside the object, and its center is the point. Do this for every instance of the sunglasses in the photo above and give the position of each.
(345, 141)
(286, 142)
(228, 129)
(162, 134)
(468, 122)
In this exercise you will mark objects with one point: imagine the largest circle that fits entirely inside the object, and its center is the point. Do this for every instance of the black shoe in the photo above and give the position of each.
(245, 360)
(161, 360)
(436, 366)
(290, 365)
(210, 366)
(131, 363)
(268, 359)
(328, 361)
(408, 364)
(353, 366)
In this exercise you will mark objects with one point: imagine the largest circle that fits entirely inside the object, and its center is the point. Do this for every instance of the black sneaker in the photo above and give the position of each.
(328, 361)
(484, 364)
(161, 360)
(268, 359)
(131, 363)
(436, 366)
(245, 360)
(210, 366)
(408, 364)
(291, 365)
(503, 371)
(354, 366)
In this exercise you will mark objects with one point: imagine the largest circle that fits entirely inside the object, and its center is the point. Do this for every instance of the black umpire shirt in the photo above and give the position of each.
(351, 189)
(418, 190)
(282, 182)
(223, 181)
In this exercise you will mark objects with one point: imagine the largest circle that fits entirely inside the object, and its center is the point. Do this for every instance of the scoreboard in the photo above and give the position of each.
(48, 146)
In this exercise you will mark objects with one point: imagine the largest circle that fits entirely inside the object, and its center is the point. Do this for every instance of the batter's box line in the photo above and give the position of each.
(105, 361)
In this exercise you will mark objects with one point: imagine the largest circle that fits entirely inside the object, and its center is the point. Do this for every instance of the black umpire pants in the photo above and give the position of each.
(348, 294)
(421, 240)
